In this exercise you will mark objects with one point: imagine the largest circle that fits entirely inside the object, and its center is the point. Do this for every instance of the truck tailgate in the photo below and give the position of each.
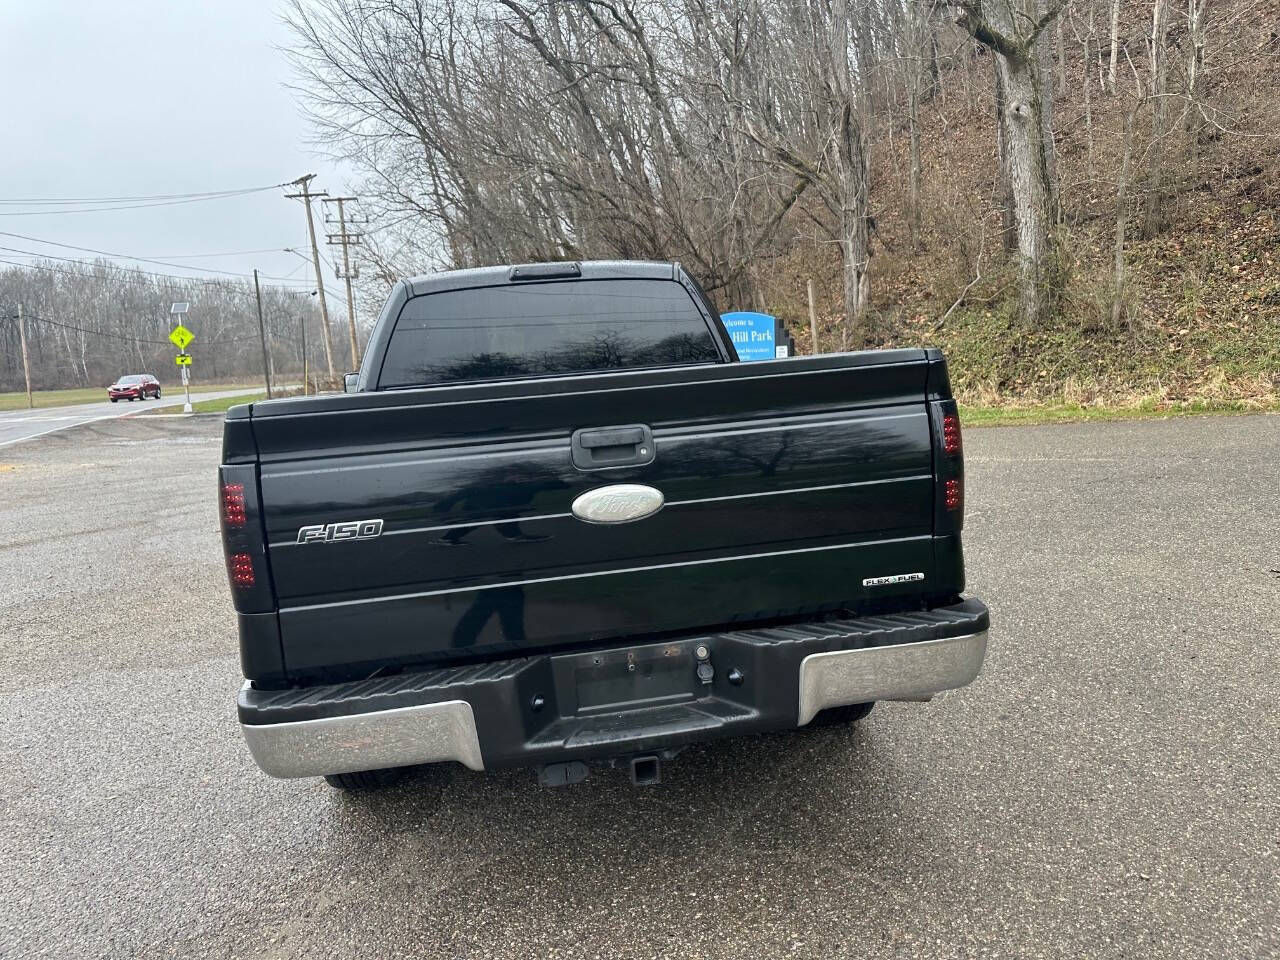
(786, 484)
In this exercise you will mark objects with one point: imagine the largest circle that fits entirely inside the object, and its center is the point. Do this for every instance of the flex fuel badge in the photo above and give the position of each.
(892, 578)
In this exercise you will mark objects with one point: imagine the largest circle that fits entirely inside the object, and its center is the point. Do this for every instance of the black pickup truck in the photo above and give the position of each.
(555, 522)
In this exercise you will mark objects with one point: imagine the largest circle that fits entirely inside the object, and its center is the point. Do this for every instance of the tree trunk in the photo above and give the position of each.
(1115, 44)
(1044, 91)
(66, 345)
(756, 290)
(1008, 221)
(1154, 218)
(1062, 59)
(1088, 92)
(852, 160)
(84, 359)
(856, 238)
(935, 73)
(913, 191)
(1088, 111)
(1028, 179)
(1196, 10)
(1122, 209)
(921, 43)
(971, 77)
(813, 319)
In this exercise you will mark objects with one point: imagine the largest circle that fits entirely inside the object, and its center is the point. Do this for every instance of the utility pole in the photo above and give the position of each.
(305, 196)
(306, 369)
(346, 240)
(26, 362)
(262, 334)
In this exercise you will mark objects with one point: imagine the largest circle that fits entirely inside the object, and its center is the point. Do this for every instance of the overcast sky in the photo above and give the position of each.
(147, 97)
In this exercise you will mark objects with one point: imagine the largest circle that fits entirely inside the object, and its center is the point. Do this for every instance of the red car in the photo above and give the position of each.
(137, 386)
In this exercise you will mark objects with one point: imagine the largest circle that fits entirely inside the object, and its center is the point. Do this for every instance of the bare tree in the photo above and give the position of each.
(1048, 147)
(1197, 32)
(919, 44)
(1122, 214)
(732, 134)
(809, 114)
(1003, 172)
(849, 100)
(1013, 32)
(88, 323)
(1115, 45)
(1087, 87)
(1157, 56)
(1060, 46)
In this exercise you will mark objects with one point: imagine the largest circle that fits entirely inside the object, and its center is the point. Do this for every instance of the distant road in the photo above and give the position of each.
(19, 425)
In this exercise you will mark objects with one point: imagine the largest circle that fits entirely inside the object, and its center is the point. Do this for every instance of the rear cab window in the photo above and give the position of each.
(545, 329)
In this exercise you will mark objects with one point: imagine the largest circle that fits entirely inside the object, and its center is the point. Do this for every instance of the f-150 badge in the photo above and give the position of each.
(346, 530)
(618, 503)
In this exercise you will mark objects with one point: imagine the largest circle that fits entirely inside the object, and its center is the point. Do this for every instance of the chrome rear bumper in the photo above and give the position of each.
(908, 671)
(763, 679)
(428, 733)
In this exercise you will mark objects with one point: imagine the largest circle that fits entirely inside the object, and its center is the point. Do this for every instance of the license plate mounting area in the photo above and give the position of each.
(626, 678)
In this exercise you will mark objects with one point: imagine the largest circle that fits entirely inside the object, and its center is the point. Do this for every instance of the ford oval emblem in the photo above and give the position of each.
(618, 503)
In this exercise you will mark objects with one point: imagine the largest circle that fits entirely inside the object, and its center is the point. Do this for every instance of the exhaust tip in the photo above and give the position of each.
(646, 771)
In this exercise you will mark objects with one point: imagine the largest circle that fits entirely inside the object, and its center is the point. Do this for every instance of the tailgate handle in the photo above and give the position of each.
(625, 446)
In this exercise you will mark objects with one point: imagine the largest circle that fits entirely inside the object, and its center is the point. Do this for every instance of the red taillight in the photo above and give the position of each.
(948, 468)
(248, 569)
(241, 567)
(953, 493)
(233, 504)
(951, 443)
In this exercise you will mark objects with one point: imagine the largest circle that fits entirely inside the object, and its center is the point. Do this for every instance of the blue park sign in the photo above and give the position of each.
(755, 335)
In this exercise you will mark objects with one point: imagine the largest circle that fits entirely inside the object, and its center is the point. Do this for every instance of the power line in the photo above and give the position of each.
(199, 256)
(228, 285)
(229, 253)
(90, 276)
(219, 282)
(125, 256)
(121, 336)
(154, 196)
(135, 206)
(99, 333)
(289, 275)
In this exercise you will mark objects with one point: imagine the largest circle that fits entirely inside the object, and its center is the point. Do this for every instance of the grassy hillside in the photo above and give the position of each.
(1201, 317)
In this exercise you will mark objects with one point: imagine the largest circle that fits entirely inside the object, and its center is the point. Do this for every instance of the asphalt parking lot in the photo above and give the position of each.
(1109, 787)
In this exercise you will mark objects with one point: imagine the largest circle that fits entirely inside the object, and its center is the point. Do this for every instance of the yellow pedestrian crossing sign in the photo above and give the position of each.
(183, 359)
(180, 336)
